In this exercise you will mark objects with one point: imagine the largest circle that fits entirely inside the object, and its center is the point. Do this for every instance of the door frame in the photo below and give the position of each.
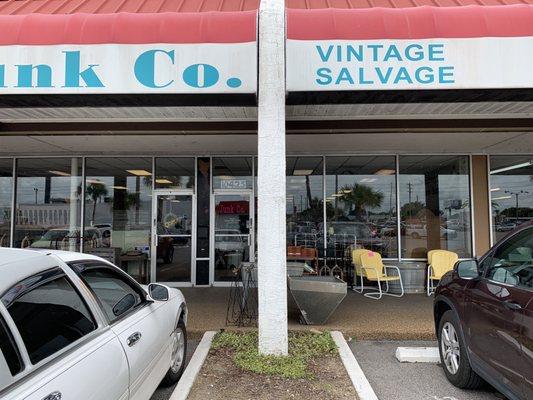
(153, 239)
(251, 211)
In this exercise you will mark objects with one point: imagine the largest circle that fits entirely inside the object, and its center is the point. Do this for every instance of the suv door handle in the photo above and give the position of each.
(134, 338)
(53, 396)
(511, 305)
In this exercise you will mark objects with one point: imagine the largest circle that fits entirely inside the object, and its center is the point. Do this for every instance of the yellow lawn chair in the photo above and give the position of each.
(374, 270)
(357, 263)
(439, 262)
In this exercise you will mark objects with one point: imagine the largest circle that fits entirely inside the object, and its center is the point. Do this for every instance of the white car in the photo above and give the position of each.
(75, 327)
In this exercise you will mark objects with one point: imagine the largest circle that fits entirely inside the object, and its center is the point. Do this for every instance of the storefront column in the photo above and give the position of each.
(272, 277)
(481, 202)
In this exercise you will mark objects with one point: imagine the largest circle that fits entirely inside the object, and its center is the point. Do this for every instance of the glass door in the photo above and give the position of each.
(233, 233)
(173, 237)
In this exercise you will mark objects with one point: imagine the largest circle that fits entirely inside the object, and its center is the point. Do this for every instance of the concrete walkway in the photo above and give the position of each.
(409, 317)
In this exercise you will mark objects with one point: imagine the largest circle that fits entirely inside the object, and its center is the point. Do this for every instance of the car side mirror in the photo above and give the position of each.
(158, 292)
(467, 269)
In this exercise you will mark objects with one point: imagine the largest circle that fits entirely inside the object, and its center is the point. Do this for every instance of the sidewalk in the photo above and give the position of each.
(409, 317)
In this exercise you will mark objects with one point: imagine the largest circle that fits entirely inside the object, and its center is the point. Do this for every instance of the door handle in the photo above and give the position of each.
(53, 396)
(511, 305)
(134, 338)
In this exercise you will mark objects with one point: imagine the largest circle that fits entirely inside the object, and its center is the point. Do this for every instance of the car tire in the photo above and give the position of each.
(459, 373)
(176, 369)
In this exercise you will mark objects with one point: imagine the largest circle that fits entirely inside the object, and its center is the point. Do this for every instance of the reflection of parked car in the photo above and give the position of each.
(74, 326)
(505, 227)
(420, 230)
(60, 239)
(347, 233)
(230, 240)
(484, 318)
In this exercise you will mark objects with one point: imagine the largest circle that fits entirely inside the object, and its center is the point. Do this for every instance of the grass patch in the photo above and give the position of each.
(303, 346)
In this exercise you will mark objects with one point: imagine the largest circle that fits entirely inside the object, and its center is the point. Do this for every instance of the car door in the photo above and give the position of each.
(65, 351)
(496, 304)
(527, 346)
(143, 330)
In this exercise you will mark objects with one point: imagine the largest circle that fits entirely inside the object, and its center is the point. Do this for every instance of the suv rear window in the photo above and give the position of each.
(50, 317)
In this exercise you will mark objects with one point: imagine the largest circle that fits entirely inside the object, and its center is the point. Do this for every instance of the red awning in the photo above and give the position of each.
(44, 22)
(410, 22)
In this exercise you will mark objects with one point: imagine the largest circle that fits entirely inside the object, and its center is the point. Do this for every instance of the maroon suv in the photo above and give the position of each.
(484, 318)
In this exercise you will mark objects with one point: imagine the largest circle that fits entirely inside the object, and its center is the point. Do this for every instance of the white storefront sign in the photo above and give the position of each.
(122, 68)
(475, 63)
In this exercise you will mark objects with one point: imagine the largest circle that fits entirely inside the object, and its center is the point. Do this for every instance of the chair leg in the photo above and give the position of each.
(427, 287)
(375, 295)
(361, 289)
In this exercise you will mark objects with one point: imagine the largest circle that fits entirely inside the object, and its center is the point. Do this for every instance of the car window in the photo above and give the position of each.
(116, 295)
(512, 261)
(50, 317)
(9, 350)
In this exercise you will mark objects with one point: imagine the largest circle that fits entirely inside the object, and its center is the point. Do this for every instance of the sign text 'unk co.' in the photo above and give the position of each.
(201, 68)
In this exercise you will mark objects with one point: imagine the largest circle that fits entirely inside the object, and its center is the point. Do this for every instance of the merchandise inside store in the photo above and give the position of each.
(191, 220)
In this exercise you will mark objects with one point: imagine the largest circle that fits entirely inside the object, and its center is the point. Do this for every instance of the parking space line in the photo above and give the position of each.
(362, 386)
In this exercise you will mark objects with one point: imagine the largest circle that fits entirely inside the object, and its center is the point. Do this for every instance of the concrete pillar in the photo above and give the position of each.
(272, 277)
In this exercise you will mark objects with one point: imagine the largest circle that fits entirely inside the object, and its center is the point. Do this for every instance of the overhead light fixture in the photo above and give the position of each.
(302, 172)
(511, 167)
(346, 191)
(139, 172)
(60, 173)
(385, 172)
(495, 189)
(174, 201)
(502, 198)
(95, 182)
(119, 187)
(368, 180)
(163, 181)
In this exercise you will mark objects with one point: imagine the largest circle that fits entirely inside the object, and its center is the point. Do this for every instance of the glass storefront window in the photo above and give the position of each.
(174, 173)
(232, 173)
(511, 189)
(361, 203)
(118, 209)
(6, 197)
(48, 203)
(435, 205)
(305, 212)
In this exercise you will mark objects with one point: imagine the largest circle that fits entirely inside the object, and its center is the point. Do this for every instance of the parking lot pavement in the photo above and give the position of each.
(392, 380)
(163, 393)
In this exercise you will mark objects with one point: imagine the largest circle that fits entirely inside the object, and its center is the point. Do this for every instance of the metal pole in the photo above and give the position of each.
(271, 181)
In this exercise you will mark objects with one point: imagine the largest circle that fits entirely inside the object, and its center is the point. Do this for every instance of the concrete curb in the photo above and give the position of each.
(418, 355)
(184, 386)
(356, 374)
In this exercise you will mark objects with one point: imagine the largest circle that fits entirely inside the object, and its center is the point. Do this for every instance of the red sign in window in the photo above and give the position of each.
(233, 207)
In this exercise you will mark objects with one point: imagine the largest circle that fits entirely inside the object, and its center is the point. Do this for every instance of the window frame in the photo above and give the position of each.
(11, 337)
(80, 266)
(492, 252)
(43, 277)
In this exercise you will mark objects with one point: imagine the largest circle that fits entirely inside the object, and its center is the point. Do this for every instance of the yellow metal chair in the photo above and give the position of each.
(374, 270)
(439, 262)
(357, 263)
